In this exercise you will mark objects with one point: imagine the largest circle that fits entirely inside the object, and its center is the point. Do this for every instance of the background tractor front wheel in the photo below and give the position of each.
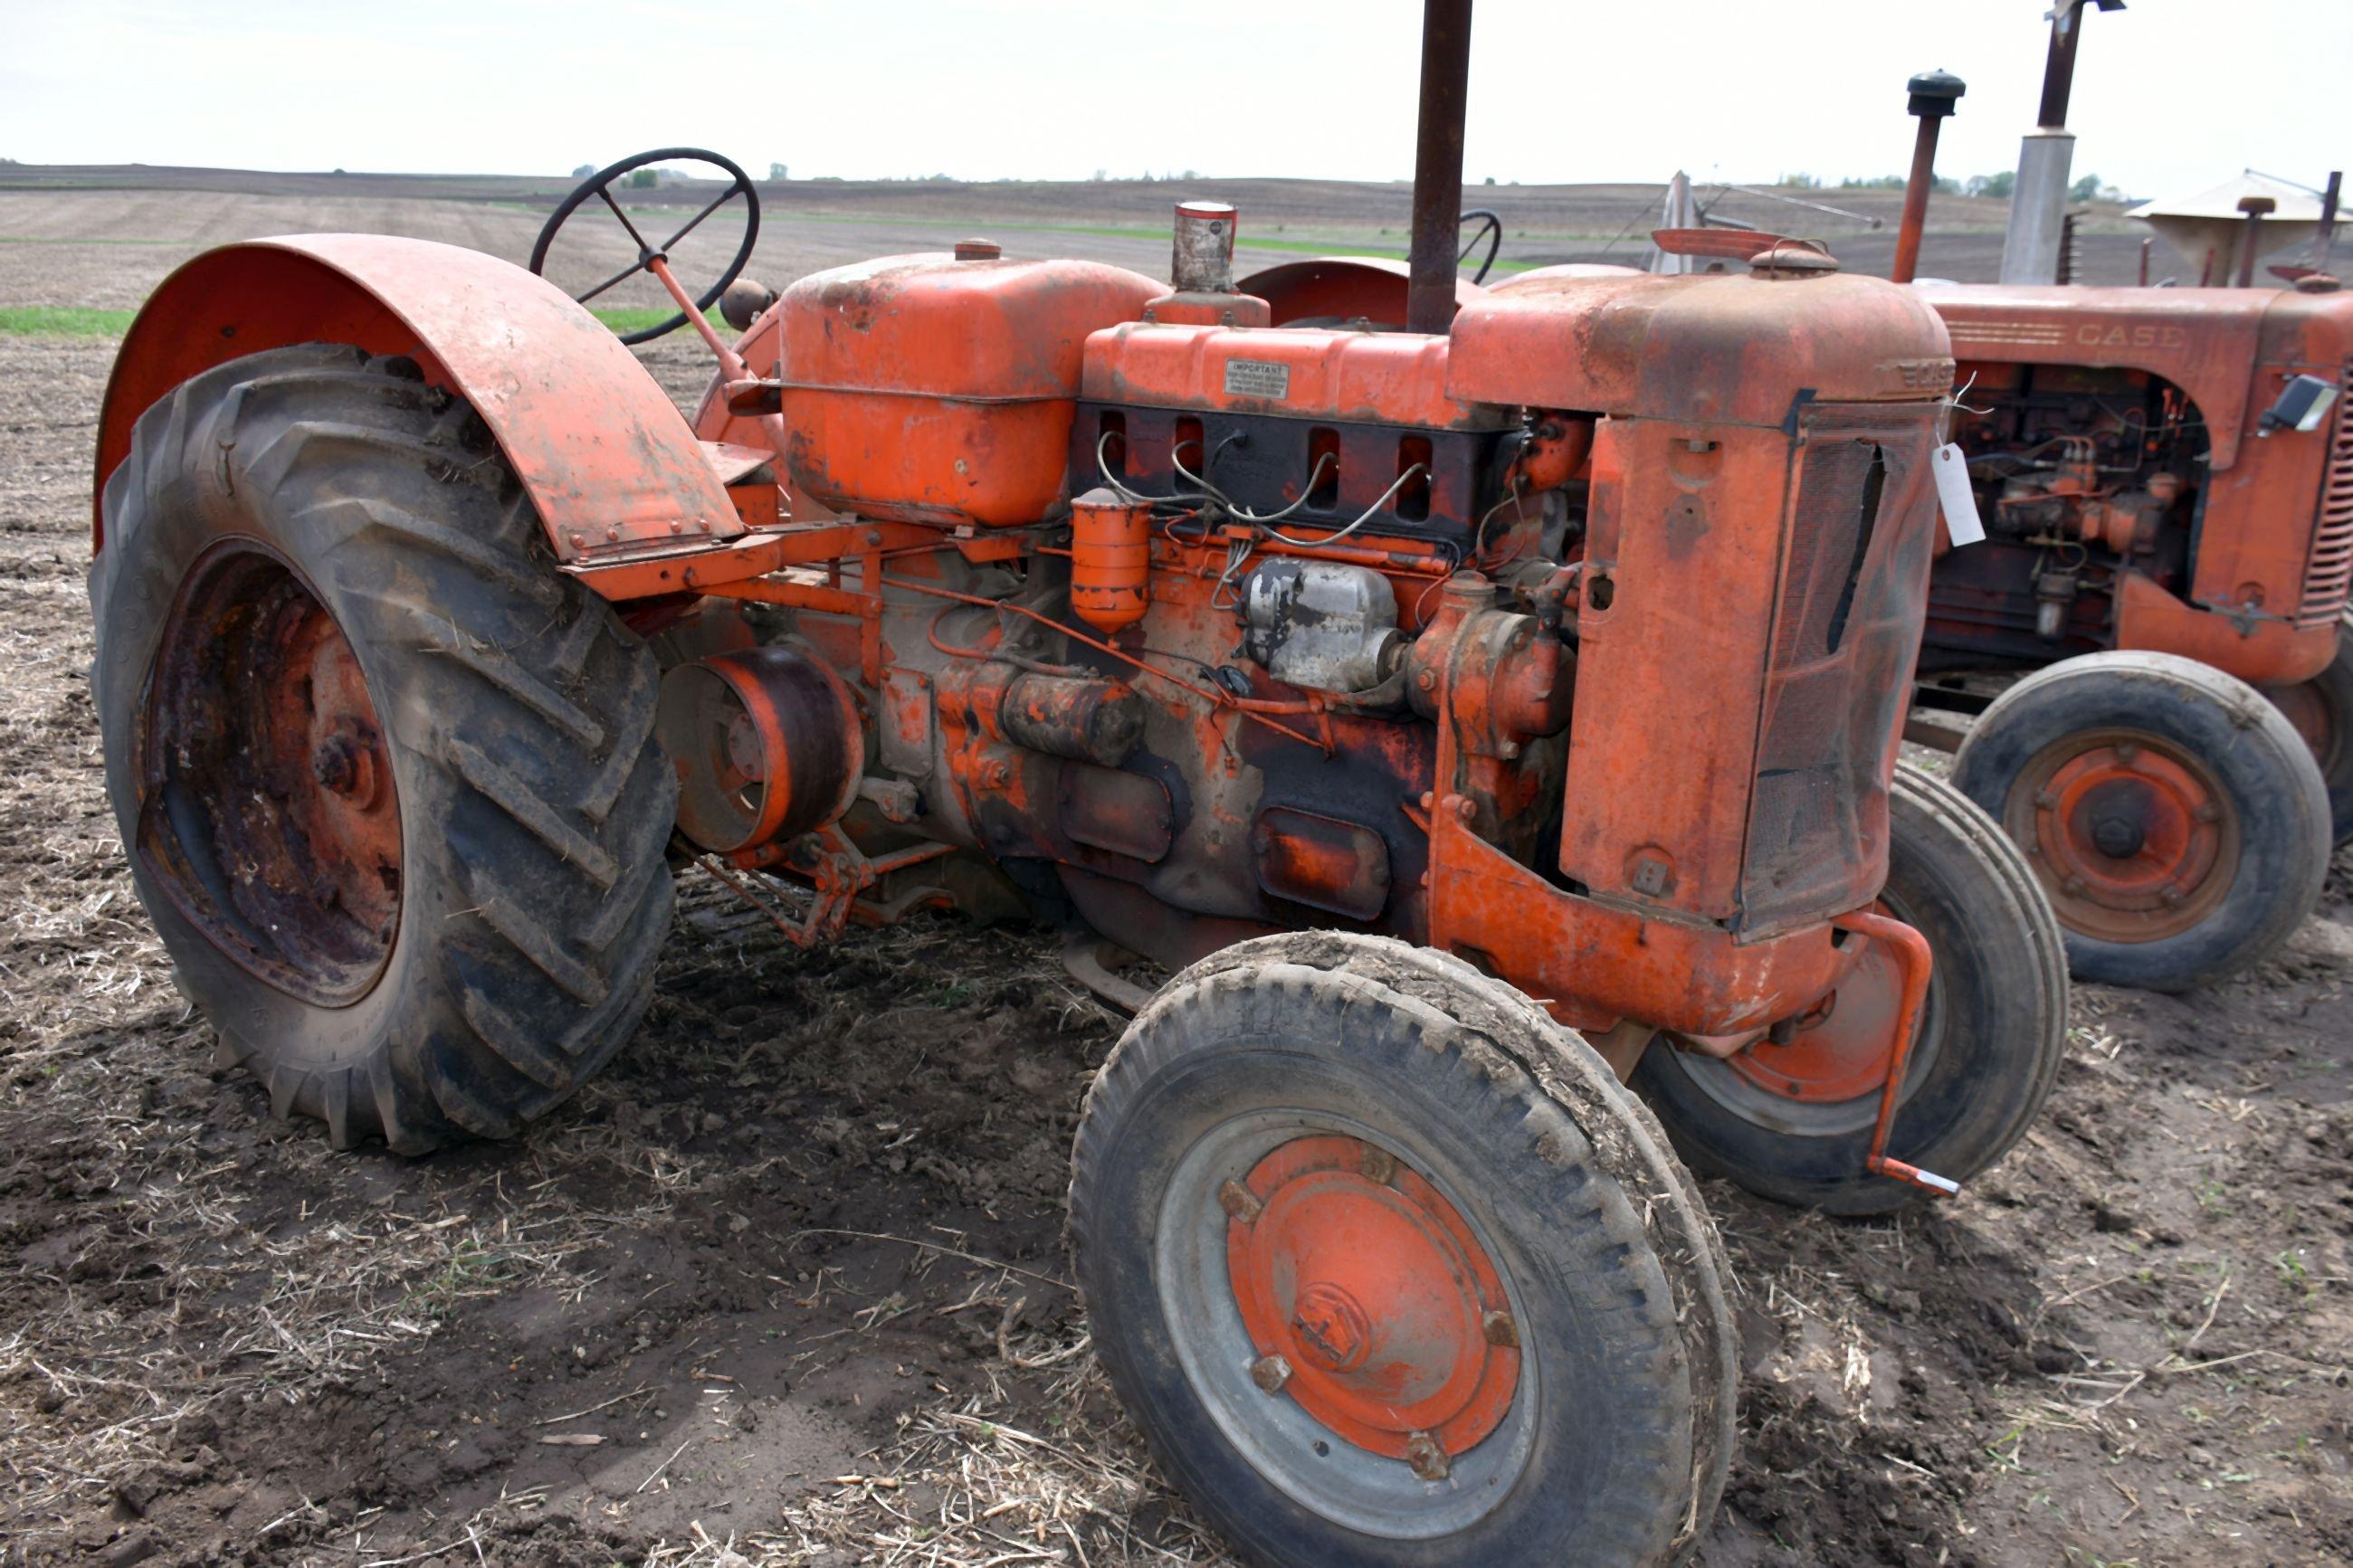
(2176, 820)
(387, 780)
(1390, 1270)
(1793, 1122)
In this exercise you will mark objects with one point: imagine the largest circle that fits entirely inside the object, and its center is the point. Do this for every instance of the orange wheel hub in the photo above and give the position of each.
(1840, 1050)
(1369, 1301)
(2132, 842)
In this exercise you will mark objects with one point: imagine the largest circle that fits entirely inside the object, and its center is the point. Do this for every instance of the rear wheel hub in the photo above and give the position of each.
(1388, 1316)
(268, 811)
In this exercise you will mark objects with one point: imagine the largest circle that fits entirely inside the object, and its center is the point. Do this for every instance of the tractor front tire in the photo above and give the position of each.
(1793, 1123)
(386, 779)
(1390, 1270)
(2176, 820)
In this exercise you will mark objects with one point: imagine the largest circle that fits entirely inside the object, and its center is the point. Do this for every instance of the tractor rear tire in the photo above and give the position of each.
(386, 779)
(1260, 1169)
(2322, 710)
(1988, 1051)
(2176, 820)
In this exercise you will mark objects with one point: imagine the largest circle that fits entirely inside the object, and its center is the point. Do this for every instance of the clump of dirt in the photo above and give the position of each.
(787, 1285)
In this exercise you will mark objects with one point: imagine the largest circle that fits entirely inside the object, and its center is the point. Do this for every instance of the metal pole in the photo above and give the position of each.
(2328, 216)
(2038, 202)
(1438, 164)
(2254, 208)
(1934, 94)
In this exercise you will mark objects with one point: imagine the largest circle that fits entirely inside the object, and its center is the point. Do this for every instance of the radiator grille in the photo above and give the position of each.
(1846, 633)
(2329, 573)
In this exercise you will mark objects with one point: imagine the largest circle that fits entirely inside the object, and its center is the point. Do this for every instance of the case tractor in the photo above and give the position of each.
(2165, 481)
(1478, 718)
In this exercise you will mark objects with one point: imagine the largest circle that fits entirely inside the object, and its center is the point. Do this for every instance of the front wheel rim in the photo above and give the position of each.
(1825, 1082)
(1290, 1367)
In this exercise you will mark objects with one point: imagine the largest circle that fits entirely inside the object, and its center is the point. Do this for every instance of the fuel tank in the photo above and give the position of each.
(935, 389)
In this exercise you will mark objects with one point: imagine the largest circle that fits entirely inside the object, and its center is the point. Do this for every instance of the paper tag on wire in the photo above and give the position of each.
(1959, 501)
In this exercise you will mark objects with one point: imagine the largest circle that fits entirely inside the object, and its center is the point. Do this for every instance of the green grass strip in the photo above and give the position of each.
(63, 321)
(633, 319)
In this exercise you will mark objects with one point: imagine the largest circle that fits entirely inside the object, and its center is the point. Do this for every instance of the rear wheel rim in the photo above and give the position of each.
(1304, 1239)
(2133, 839)
(270, 815)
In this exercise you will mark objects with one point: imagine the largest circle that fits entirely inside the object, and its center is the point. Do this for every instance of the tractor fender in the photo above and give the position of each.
(1339, 289)
(607, 459)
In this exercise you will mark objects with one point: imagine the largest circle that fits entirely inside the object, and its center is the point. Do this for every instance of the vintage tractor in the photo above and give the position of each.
(432, 640)
(2165, 477)
(2167, 498)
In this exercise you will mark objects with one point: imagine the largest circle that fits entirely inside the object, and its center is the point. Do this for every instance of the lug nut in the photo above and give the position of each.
(1379, 1167)
(1271, 1372)
(1240, 1203)
(1427, 1460)
(1501, 1330)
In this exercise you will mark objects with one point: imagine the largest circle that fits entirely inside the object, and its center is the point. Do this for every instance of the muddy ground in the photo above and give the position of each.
(787, 1285)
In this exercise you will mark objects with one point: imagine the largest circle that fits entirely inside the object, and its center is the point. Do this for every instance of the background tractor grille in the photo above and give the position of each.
(2329, 573)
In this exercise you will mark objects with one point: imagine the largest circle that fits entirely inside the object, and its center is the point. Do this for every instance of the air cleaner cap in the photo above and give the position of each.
(1934, 93)
(1792, 258)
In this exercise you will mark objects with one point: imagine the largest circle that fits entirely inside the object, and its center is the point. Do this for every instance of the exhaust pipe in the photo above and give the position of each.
(1935, 96)
(1438, 165)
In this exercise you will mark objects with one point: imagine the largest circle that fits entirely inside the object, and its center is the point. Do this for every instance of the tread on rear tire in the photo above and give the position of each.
(517, 718)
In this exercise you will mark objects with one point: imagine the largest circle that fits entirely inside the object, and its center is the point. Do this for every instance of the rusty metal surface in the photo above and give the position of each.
(1126, 813)
(1729, 347)
(1098, 721)
(1340, 868)
(610, 466)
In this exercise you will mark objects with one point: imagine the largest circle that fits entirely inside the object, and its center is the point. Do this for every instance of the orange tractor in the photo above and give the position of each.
(432, 640)
(2168, 497)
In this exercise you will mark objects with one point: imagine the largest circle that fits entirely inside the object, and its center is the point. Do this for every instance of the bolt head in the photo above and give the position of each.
(1501, 1330)
(1378, 1165)
(1429, 1461)
(1271, 1372)
(1238, 1202)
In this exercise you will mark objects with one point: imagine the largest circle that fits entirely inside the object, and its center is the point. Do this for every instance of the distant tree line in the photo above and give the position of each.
(2001, 185)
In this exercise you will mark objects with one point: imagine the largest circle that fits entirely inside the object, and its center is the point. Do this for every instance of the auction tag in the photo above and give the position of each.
(1953, 493)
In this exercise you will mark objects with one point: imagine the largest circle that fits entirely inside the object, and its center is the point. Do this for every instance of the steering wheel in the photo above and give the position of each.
(598, 185)
(1492, 232)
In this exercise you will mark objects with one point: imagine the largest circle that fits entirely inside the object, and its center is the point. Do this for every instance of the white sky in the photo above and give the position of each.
(2170, 95)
